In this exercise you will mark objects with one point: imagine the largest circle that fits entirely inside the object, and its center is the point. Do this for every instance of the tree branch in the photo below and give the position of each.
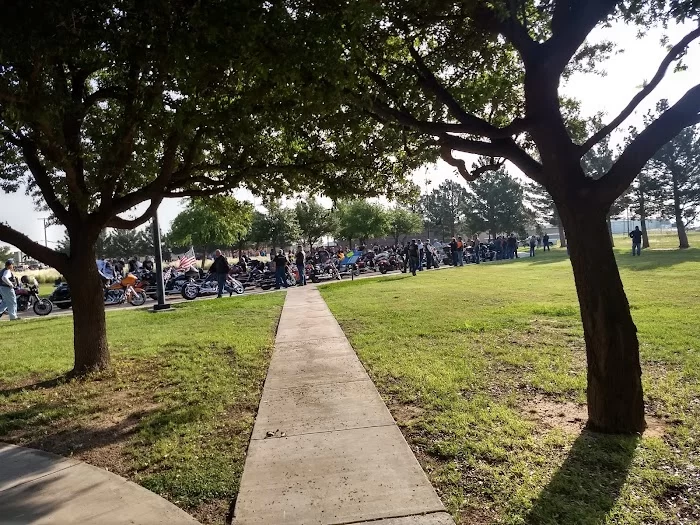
(37, 251)
(128, 224)
(505, 148)
(471, 124)
(43, 180)
(684, 113)
(461, 165)
(672, 55)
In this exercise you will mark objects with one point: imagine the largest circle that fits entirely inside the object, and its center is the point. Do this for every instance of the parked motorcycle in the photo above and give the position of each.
(116, 293)
(387, 262)
(201, 287)
(29, 298)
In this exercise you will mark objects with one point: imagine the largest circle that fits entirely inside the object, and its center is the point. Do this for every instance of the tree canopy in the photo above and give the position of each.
(277, 228)
(495, 205)
(314, 220)
(214, 222)
(443, 208)
(360, 220)
(402, 221)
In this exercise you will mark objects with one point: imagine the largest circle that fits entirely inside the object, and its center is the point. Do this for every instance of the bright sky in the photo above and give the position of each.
(626, 72)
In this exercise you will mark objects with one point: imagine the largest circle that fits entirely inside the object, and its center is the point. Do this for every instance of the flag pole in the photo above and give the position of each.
(160, 285)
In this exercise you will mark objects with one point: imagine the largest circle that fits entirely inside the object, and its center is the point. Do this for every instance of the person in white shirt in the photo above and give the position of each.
(8, 299)
(421, 254)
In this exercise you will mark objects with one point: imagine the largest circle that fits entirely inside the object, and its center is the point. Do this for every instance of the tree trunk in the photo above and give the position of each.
(610, 233)
(87, 297)
(562, 235)
(615, 398)
(680, 225)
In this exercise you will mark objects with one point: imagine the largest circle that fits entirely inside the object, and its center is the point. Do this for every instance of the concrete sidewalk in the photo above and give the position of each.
(41, 488)
(325, 449)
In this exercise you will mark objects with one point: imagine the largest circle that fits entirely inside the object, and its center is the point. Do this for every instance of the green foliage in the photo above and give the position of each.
(314, 220)
(403, 222)
(443, 208)
(212, 222)
(278, 228)
(360, 220)
(495, 205)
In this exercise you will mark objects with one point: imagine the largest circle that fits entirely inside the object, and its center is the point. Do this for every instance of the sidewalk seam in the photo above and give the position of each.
(379, 520)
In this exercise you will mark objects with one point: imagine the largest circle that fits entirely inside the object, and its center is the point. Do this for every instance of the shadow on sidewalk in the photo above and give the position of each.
(588, 483)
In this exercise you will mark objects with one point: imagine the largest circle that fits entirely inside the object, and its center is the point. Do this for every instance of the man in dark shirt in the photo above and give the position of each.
(545, 242)
(413, 256)
(453, 252)
(220, 268)
(300, 260)
(636, 236)
(280, 270)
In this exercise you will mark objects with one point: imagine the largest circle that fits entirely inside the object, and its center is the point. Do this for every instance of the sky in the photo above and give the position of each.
(625, 72)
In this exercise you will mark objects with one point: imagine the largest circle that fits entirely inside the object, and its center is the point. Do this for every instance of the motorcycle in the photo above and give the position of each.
(29, 298)
(388, 262)
(116, 293)
(201, 287)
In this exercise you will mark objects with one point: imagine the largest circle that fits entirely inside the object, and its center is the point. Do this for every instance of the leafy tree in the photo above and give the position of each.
(211, 222)
(443, 208)
(277, 228)
(314, 220)
(646, 199)
(122, 243)
(105, 106)
(483, 78)
(402, 221)
(495, 205)
(677, 167)
(360, 220)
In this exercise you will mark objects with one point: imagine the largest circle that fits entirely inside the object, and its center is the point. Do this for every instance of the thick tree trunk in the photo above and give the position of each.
(610, 233)
(615, 400)
(87, 296)
(680, 225)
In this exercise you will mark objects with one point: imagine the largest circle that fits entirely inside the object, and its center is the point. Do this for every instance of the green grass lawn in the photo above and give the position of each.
(483, 367)
(175, 413)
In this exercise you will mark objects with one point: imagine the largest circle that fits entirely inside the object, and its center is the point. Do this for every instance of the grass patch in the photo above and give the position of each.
(484, 368)
(174, 414)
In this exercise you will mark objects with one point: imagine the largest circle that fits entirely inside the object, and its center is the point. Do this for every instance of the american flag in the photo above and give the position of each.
(187, 260)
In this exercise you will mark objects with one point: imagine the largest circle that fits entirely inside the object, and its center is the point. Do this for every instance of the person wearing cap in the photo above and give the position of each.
(8, 299)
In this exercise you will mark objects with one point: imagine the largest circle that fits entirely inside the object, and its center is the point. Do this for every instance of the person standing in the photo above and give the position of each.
(413, 256)
(460, 251)
(8, 298)
(220, 268)
(406, 257)
(533, 245)
(636, 236)
(453, 252)
(300, 260)
(430, 256)
(545, 242)
(421, 253)
(476, 246)
(280, 269)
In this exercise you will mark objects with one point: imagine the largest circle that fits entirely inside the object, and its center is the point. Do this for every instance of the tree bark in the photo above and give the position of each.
(87, 296)
(610, 233)
(615, 397)
(680, 225)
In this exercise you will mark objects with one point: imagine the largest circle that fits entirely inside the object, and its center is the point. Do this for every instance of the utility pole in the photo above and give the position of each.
(44, 219)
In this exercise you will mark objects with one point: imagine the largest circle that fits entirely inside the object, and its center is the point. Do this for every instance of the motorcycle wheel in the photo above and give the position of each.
(315, 279)
(382, 270)
(64, 306)
(43, 307)
(190, 291)
(238, 288)
(138, 299)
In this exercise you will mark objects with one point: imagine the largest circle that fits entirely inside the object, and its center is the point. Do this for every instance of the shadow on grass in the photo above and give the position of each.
(588, 483)
(42, 385)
